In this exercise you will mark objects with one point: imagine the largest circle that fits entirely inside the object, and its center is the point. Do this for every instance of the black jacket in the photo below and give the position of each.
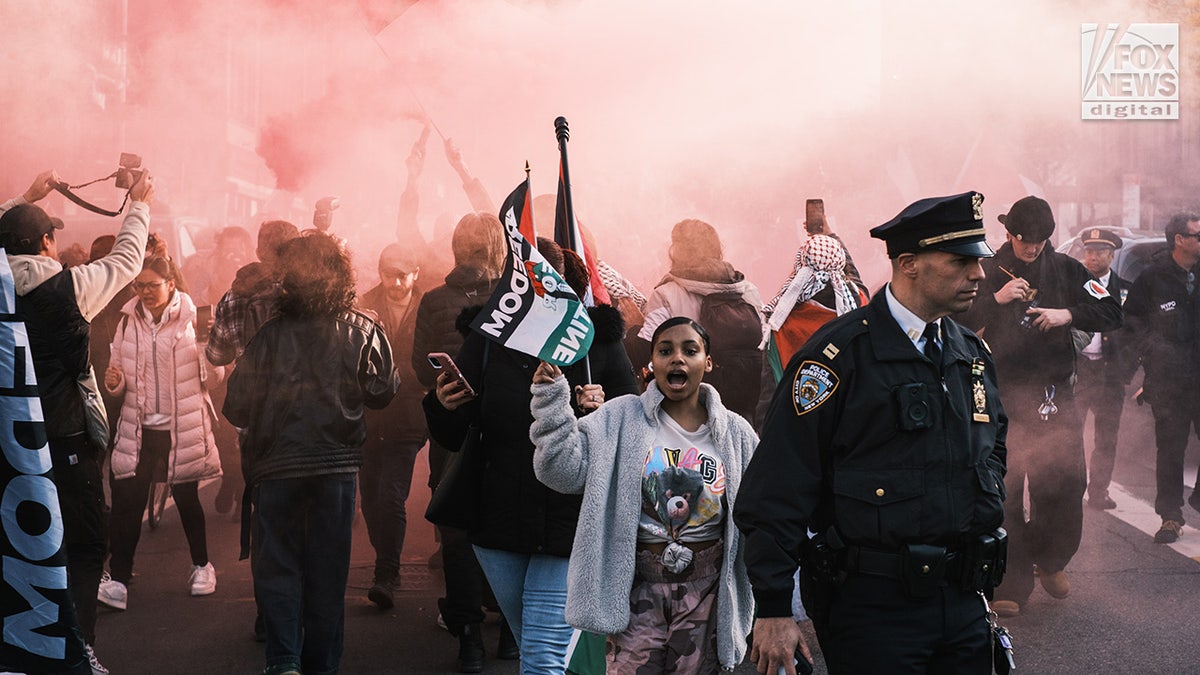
(299, 391)
(834, 450)
(402, 421)
(520, 514)
(1164, 331)
(1026, 356)
(58, 340)
(435, 328)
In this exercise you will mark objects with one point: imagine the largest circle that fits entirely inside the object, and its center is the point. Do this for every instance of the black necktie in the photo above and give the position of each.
(932, 351)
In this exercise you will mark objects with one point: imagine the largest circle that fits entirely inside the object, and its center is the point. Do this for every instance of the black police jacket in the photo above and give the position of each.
(1024, 355)
(1163, 332)
(851, 441)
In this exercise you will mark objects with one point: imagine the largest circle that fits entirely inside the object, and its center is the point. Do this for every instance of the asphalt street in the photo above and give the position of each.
(1132, 607)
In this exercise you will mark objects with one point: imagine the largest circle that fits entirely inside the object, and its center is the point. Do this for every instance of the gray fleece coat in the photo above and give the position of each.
(603, 456)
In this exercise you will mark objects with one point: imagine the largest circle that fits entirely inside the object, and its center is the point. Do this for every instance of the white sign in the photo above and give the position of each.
(1130, 71)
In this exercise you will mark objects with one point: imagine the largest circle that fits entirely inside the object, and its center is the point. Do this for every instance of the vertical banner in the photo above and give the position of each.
(40, 630)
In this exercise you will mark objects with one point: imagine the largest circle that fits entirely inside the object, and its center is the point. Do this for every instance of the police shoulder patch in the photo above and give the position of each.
(1096, 289)
(813, 385)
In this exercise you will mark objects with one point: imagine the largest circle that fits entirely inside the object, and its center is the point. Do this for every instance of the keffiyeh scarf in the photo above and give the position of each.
(820, 261)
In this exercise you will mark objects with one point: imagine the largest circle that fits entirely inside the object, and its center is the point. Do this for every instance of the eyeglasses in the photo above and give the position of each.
(1191, 235)
(143, 285)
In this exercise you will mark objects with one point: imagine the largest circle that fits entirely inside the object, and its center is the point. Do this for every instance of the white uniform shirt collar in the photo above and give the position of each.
(912, 325)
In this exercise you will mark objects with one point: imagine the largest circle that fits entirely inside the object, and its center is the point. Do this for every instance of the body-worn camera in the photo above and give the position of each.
(129, 172)
(913, 402)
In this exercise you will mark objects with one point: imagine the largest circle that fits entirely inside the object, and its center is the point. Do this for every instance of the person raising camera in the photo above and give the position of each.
(56, 306)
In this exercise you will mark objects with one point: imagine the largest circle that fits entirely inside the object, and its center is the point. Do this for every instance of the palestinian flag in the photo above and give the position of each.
(533, 310)
(568, 234)
(519, 203)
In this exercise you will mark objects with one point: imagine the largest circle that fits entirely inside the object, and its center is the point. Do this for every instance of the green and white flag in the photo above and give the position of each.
(533, 310)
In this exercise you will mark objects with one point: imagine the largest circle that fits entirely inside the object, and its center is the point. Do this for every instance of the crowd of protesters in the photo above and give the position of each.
(621, 472)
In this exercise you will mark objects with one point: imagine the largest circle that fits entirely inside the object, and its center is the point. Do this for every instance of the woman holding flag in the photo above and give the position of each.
(524, 532)
(659, 475)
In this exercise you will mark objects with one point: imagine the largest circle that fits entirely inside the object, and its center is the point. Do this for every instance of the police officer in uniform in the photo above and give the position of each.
(1164, 316)
(885, 438)
(1099, 386)
(1026, 309)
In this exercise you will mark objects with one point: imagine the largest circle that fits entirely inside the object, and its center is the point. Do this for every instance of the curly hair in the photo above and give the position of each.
(316, 276)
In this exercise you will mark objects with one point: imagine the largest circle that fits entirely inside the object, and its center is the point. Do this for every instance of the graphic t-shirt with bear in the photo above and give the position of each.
(683, 486)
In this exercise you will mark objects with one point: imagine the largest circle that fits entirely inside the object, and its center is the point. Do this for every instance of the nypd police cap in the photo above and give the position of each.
(1100, 239)
(953, 224)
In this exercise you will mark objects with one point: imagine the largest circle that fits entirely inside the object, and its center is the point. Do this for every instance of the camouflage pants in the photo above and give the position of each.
(672, 618)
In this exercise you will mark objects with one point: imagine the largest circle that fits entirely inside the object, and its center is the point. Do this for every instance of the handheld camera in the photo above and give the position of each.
(129, 170)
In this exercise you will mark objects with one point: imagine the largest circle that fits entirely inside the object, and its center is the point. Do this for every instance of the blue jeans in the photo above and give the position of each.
(301, 548)
(532, 592)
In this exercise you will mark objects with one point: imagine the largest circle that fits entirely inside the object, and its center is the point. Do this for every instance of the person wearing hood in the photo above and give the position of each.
(165, 431)
(819, 289)
(703, 286)
(56, 306)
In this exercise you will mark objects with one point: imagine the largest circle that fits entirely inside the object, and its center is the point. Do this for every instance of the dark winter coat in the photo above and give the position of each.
(402, 421)
(1164, 333)
(1024, 355)
(520, 514)
(465, 286)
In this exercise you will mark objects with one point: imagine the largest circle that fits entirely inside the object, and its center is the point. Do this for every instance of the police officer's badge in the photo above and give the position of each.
(814, 384)
(979, 392)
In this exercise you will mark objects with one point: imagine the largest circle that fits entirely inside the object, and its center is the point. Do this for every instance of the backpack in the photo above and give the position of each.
(735, 330)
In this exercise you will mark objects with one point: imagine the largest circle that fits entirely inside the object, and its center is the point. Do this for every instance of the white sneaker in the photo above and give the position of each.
(203, 580)
(112, 593)
(97, 669)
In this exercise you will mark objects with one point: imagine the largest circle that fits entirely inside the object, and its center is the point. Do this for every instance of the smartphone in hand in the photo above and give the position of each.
(814, 216)
(204, 318)
(442, 361)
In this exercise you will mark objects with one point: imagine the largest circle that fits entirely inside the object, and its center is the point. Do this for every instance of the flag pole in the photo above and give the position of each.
(563, 133)
(529, 204)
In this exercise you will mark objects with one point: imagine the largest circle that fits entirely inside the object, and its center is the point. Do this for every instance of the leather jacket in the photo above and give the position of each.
(299, 391)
